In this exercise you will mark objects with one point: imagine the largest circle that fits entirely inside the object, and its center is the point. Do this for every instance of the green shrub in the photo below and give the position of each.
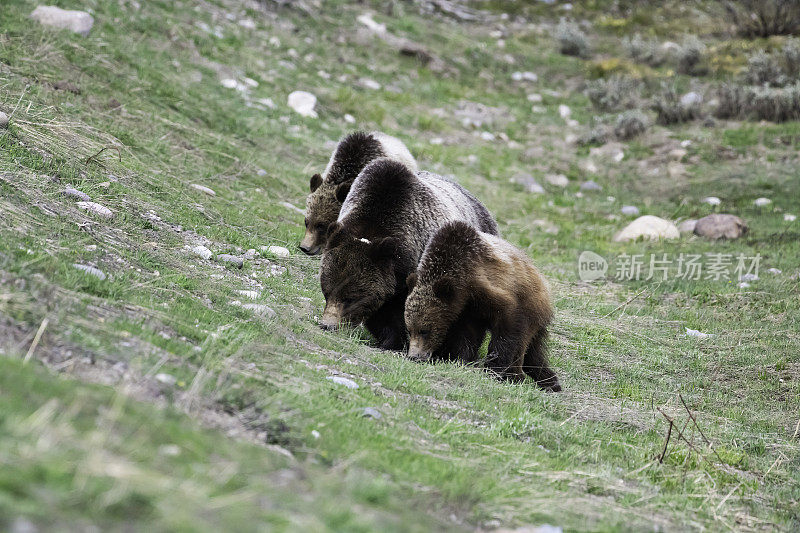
(630, 124)
(762, 18)
(614, 94)
(571, 40)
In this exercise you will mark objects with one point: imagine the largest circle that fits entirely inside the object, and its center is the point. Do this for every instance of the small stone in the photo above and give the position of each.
(248, 24)
(774, 270)
(697, 333)
(203, 188)
(169, 450)
(166, 379)
(3, 120)
(202, 251)
(366, 20)
(564, 111)
(557, 180)
(229, 83)
(23, 525)
(677, 154)
(75, 193)
(528, 182)
(278, 251)
(249, 294)
(315, 433)
(691, 98)
(250, 253)
(77, 21)
(649, 227)
(294, 208)
(236, 261)
(303, 103)
(371, 412)
(535, 98)
(721, 226)
(711, 200)
(789, 217)
(748, 277)
(96, 272)
(687, 226)
(761, 202)
(260, 309)
(350, 119)
(339, 380)
(369, 84)
(743, 284)
(590, 186)
(525, 76)
(436, 141)
(676, 169)
(99, 210)
(487, 136)
(261, 172)
(630, 210)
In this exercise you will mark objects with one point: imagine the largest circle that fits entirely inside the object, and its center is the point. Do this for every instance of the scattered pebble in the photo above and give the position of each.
(259, 309)
(3, 120)
(202, 251)
(743, 284)
(748, 277)
(250, 253)
(229, 83)
(99, 210)
(371, 412)
(75, 193)
(366, 20)
(339, 380)
(525, 76)
(203, 188)
(236, 261)
(170, 450)
(761, 202)
(487, 136)
(677, 154)
(697, 333)
(630, 210)
(278, 251)
(261, 172)
(249, 294)
(711, 200)
(166, 379)
(558, 180)
(23, 525)
(590, 186)
(774, 270)
(315, 433)
(350, 119)
(303, 103)
(369, 84)
(789, 217)
(691, 98)
(564, 111)
(96, 272)
(529, 182)
(77, 21)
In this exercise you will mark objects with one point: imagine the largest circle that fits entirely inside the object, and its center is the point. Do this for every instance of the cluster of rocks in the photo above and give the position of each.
(715, 226)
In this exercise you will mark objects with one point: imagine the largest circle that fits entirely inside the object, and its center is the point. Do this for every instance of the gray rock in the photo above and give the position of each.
(3, 120)
(691, 98)
(97, 209)
(687, 226)
(202, 251)
(346, 382)
(23, 525)
(558, 180)
(721, 226)
(260, 309)
(630, 210)
(529, 183)
(590, 186)
(371, 412)
(166, 379)
(75, 193)
(77, 21)
(96, 272)
(236, 261)
(203, 189)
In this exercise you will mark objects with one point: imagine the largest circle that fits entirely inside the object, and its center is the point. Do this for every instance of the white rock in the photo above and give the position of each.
(261, 172)
(315, 433)
(711, 200)
(170, 450)
(558, 180)
(278, 251)
(630, 210)
(570, 138)
(250, 82)
(96, 272)
(677, 154)
(590, 186)
(77, 21)
(691, 98)
(572, 123)
(535, 98)
(436, 141)
(3, 120)
(686, 143)
(249, 294)
(774, 270)
(687, 226)
(202, 251)
(743, 284)
(303, 103)
(649, 227)
(229, 83)
(203, 188)
(369, 84)
(564, 111)
(789, 217)
(748, 277)
(487, 136)
(525, 76)
(258, 309)
(339, 380)
(248, 24)
(99, 210)
(697, 333)
(366, 20)
(350, 119)
(166, 379)
(761, 202)
(75, 193)
(539, 109)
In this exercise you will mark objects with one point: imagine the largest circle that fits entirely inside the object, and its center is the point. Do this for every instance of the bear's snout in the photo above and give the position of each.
(308, 244)
(417, 352)
(332, 316)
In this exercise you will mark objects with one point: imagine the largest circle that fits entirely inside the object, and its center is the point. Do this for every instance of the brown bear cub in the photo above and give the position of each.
(467, 278)
(329, 190)
(386, 220)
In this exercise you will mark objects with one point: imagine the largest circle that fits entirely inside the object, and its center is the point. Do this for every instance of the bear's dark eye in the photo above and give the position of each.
(424, 332)
(320, 227)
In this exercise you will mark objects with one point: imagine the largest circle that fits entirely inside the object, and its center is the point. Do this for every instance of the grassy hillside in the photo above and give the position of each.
(184, 393)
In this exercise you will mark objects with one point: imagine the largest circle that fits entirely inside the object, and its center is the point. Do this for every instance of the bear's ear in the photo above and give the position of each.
(411, 281)
(384, 248)
(316, 181)
(444, 289)
(335, 234)
(342, 190)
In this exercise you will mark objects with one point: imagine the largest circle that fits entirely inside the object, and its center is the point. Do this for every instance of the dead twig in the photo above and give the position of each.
(103, 149)
(666, 441)
(697, 426)
(36, 339)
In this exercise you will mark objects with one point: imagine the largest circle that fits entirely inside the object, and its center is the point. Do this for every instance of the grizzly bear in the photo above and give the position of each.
(384, 223)
(328, 190)
(466, 277)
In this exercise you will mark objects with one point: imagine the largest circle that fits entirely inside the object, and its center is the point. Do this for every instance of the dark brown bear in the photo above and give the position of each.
(383, 226)
(328, 190)
(477, 279)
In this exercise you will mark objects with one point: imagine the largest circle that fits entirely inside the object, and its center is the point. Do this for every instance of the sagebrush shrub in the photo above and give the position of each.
(630, 124)
(571, 40)
(762, 18)
(690, 57)
(645, 51)
(671, 110)
(614, 93)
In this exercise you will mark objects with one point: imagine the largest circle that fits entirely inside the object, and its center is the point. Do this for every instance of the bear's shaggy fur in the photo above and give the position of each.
(329, 190)
(383, 226)
(473, 279)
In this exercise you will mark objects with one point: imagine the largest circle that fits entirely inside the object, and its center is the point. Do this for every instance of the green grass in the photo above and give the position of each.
(252, 435)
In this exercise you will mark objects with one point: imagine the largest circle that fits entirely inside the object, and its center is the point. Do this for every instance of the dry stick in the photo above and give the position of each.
(36, 340)
(620, 306)
(691, 415)
(796, 429)
(666, 443)
(20, 100)
(103, 149)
